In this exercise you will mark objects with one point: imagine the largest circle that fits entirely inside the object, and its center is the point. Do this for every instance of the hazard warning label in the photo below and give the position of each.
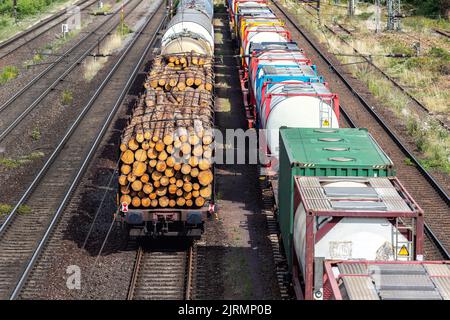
(403, 251)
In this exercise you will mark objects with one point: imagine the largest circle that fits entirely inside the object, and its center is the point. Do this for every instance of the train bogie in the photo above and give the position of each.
(165, 223)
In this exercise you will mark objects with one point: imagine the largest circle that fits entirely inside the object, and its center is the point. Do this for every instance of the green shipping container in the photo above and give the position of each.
(323, 152)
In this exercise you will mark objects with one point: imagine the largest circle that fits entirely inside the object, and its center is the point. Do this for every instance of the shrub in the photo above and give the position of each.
(8, 73)
(124, 29)
(36, 134)
(67, 97)
(7, 208)
(364, 15)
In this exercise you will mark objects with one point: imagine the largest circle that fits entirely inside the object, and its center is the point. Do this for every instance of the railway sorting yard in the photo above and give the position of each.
(127, 148)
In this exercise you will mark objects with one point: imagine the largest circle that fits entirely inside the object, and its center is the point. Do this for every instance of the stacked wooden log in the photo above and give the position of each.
(167, 147)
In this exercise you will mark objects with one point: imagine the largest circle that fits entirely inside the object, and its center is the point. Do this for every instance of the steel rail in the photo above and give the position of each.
(52, 64)
(434, 184)
(90, 154)
(138, 267)
(34, 28)
(388, 77)
(440, 246)
(51, 87)
(442, 33)
(134, 276)
(189, 265)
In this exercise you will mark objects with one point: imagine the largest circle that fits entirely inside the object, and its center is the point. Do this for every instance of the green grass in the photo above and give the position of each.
(66, 97)
(50, 48)
(16, 163)
(37, 58)
(8, 73)
(36, 134)
(424, 76)
(28, 12)
(124, 30)
(105, 10)
(419, 23)
(237, 275)
(27, 7)
(431, 140)
(364, 15)
(7, 208)
(408, 162)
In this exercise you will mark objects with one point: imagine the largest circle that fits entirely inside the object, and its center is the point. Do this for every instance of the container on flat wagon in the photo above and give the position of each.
(292, 60)
(236, 4)
(261, 47)
(189, 30)
(350, 218)
(295, 104)
(248, 10)
(257, 48)
(310, 152)
(258, 34)
(247, 22)
(276, 57)
(268, 73)
(204, 6)
(377, 280)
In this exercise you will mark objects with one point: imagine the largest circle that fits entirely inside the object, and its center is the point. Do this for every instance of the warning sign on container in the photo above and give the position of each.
(326, 123)
(403, 251)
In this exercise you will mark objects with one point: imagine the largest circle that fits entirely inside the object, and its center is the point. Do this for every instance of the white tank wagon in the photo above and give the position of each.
(189, 31)
(204, 6)
(352, 218)
(261, 34)
(296, 105)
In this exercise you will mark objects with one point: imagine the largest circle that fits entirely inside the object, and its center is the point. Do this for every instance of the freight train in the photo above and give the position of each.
(348, 228)
(166, 181)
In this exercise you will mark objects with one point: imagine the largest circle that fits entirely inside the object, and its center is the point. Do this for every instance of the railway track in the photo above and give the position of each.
(442, 33)
(24, 237)
(423, 187)
(24, 101)
(22, 39)
(419, 105)
(162, 275)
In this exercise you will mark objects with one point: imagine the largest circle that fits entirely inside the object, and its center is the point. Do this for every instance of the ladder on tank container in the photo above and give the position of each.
(325, 113)
(403, 250)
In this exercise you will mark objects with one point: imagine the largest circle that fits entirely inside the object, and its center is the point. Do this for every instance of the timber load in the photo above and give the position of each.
(167, 147)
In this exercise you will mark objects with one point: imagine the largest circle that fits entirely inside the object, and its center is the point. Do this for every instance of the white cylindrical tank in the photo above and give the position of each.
(291, 109)
(259, 34)
(204, 6)
(275, 58)
(189, 30)
(351, 238)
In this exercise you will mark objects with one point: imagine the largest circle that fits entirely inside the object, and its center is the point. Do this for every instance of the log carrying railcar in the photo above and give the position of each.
(166, 182)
